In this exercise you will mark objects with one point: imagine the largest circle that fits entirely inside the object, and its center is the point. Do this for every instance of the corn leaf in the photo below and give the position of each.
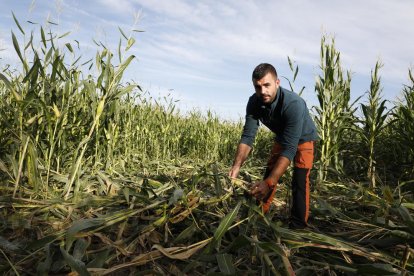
(43, 268)
(17, 48)
(75, 265)
(79, 249)
(225, 262)
(65, 34)
(5, 80)
(376, 269)
(226, 222)
(17, 23)
(69, 47)
(130, 42)
(122, 33)
(99, 260)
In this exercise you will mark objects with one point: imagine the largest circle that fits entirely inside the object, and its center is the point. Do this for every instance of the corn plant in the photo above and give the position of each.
(181, 223)
(294, 68)
(334, 113)
(374, 122)
(59, 119)
(151, 186)
(403, 129)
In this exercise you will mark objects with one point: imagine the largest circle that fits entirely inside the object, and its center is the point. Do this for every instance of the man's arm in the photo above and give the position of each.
(247, 139)
(262, 188)
(278, 170)
(243, 151)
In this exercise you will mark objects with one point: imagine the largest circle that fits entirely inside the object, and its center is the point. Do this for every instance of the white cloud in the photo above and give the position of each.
(364, 30)
(213, 46)
(121, 6)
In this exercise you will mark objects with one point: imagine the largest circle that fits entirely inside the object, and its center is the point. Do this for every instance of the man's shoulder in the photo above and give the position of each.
(292, 103)
(253, 100)
(253, 97)
(289, 93)
(290, 97)
(252, 104)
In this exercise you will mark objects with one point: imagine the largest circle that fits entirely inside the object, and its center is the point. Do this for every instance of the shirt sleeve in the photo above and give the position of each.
(250, 126)
(293, 117)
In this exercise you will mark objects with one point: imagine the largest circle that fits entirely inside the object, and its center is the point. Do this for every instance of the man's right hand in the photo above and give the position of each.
(234, 172)
(241, 155)
(260, 190)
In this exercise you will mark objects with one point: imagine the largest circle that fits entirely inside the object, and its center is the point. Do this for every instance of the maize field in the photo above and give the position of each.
(98, 178)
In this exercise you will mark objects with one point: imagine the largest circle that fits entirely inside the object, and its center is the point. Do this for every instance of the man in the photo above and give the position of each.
(285, 114)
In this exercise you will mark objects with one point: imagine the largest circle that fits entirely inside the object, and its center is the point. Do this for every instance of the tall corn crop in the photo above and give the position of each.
(52, 112)
(403, 130)
(334, 115)
(374, 122)
(151, 197)
(62, 115)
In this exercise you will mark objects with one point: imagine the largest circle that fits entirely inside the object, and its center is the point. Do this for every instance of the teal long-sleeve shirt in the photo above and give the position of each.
(287, 116)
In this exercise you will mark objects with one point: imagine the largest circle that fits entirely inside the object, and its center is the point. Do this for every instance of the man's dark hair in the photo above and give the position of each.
(262, 69)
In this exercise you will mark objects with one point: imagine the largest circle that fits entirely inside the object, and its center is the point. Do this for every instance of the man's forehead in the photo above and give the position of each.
(269, 77)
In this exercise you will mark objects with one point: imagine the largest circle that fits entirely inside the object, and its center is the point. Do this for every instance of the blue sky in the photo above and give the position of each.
(202, 52)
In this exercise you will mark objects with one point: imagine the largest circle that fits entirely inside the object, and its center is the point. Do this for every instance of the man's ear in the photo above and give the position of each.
(277, 81)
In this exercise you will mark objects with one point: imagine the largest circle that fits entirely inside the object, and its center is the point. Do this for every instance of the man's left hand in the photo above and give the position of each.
(260, 190)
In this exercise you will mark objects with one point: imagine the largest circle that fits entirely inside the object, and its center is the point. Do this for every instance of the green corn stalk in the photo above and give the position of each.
(403, 129)
(82, 148)
(334, 114)
(374, 121)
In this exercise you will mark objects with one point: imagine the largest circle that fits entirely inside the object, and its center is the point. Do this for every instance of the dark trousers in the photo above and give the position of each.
(303, 163)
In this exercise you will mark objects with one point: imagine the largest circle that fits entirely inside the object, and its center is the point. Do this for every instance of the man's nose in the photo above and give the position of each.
(262, 90)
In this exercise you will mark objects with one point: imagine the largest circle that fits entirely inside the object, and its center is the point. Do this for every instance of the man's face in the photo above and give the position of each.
(266, 88)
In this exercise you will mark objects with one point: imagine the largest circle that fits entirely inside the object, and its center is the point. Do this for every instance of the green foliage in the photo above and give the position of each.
(99, 178)
(373, 122)
(56, 118)
(121, 233)
(334, 115)
(295, 71)
(403, 130)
